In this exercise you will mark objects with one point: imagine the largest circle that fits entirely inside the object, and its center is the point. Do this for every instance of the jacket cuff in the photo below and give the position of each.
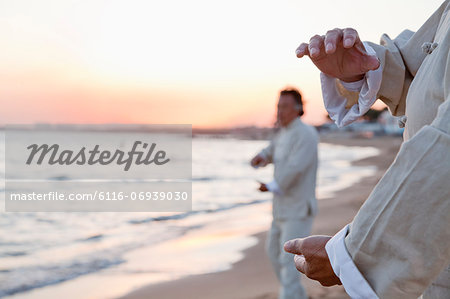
(354, 86)
(343, 266)
(346, 107)
(274, 188)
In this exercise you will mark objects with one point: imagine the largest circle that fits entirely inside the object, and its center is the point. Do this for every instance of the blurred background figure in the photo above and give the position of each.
(293, 151)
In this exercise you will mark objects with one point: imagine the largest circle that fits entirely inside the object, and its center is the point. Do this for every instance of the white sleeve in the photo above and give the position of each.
(354, 86)
(354, 283)
(274, 187)
(335, 103)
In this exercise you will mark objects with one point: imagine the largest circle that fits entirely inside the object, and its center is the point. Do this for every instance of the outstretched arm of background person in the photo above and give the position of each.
(267, 153)
(264, 157)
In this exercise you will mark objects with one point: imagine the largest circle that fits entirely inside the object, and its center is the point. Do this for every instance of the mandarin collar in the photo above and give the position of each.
(292, 124)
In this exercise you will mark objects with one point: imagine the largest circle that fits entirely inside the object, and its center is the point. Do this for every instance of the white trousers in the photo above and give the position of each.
(283, 262)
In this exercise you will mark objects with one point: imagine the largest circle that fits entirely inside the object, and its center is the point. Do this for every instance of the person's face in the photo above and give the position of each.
(287, 109)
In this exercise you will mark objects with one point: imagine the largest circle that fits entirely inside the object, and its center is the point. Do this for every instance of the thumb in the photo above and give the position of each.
(294, 246)
(371, 62)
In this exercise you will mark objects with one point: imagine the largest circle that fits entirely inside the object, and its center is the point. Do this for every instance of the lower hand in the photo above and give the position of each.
(312, 260)
(263, 187)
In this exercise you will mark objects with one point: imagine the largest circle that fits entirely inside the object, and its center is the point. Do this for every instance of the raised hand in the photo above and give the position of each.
(340, 54)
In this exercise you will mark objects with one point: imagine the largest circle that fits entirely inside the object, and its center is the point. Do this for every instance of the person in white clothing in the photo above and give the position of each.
(293, 151)
(398, 245)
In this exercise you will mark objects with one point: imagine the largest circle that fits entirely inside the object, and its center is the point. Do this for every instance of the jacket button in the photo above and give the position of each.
(402, 121)
(429, 47)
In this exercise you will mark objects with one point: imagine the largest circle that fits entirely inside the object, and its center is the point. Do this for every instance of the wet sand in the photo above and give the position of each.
(252, 277)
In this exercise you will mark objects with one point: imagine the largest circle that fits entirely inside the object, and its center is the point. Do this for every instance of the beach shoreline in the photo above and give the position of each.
(252, 277)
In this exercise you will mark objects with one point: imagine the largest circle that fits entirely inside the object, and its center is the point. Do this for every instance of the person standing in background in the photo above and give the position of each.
(293, 151)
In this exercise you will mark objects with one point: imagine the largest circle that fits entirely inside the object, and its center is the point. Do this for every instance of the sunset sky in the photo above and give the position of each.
(206, 63)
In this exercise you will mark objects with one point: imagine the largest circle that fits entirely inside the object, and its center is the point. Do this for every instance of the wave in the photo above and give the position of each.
(190, 213)
(96, 237)
(52, 274)
(17, 280)
(13, 253)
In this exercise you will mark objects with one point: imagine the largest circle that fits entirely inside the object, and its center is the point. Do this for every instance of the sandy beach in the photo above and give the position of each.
(252, 277)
